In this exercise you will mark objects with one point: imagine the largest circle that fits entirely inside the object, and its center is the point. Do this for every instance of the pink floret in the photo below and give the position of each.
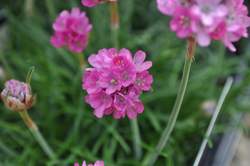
(97, 163)
(116, 81)
(92, 3)
(71, 30)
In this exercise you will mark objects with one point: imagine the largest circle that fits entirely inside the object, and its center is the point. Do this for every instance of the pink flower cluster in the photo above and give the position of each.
(71, 30)
(207, 20)
(93, 3)
(17, 96)
(97, 163)
(116, 81)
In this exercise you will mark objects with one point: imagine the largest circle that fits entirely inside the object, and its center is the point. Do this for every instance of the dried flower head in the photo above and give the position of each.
(17, 96)
(71, 30)
(207, 20)
(116, 81)
(97, 163)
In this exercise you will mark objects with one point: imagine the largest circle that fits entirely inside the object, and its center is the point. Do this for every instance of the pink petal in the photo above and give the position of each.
(203, 39)
(139, 57)
(145, 66)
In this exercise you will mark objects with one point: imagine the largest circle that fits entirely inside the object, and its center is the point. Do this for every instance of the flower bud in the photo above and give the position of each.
(17, 96)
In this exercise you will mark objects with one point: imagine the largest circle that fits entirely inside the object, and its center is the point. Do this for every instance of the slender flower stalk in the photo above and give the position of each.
(223, 95)
(136, 138)
(36, 133)
(80, 57)
(114, 22)
(178, 102)
(29, 7)
(51, 9)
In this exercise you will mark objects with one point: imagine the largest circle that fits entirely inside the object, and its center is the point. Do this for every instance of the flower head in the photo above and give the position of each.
(207, 20)
(71, 30)
(17, 96)
(97, 163)
(116, 81)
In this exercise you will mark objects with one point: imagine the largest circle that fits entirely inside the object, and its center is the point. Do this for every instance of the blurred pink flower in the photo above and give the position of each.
(237, 22)
(168, 6)
(116, 81)
(207, 20)
(17, 96)
(71, 30)
(181, 22)
(209, 11)
(97, 163)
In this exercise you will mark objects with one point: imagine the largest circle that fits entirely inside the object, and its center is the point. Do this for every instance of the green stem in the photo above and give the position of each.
(51, 9)
(223, 95)
(81, 60)
(36, 133)
(29, 7)
(178, 102)
(115, 22)
(136, 138)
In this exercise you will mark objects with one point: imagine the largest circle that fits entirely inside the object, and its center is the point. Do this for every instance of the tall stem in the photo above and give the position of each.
(114, 22)
(223, 95)
(178, 102)
(29, 7)
(136, 139)
(36, 133)
(81, 60)
(51, 9)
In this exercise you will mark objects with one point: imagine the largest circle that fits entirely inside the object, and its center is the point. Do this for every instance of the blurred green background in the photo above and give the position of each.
(68, 123)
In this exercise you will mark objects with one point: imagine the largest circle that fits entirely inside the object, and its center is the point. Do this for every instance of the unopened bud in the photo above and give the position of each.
(17, 96)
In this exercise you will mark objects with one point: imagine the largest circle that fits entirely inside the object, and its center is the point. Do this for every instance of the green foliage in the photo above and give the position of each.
(68, 123)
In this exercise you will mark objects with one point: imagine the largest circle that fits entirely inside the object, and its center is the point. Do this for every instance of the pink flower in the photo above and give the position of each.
(237, 22)
(168, 7)
(207, 20)
(91, 3)
(90, 81)
(17, 96)
(143, 81)
(209, 11)
(181, 22)
(116, 81)
(100, 102)
(71, 30)
(139, 59)
(97, 163)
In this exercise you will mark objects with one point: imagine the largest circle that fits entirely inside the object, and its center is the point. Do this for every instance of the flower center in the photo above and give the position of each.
(113, 82)
(184, 21)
